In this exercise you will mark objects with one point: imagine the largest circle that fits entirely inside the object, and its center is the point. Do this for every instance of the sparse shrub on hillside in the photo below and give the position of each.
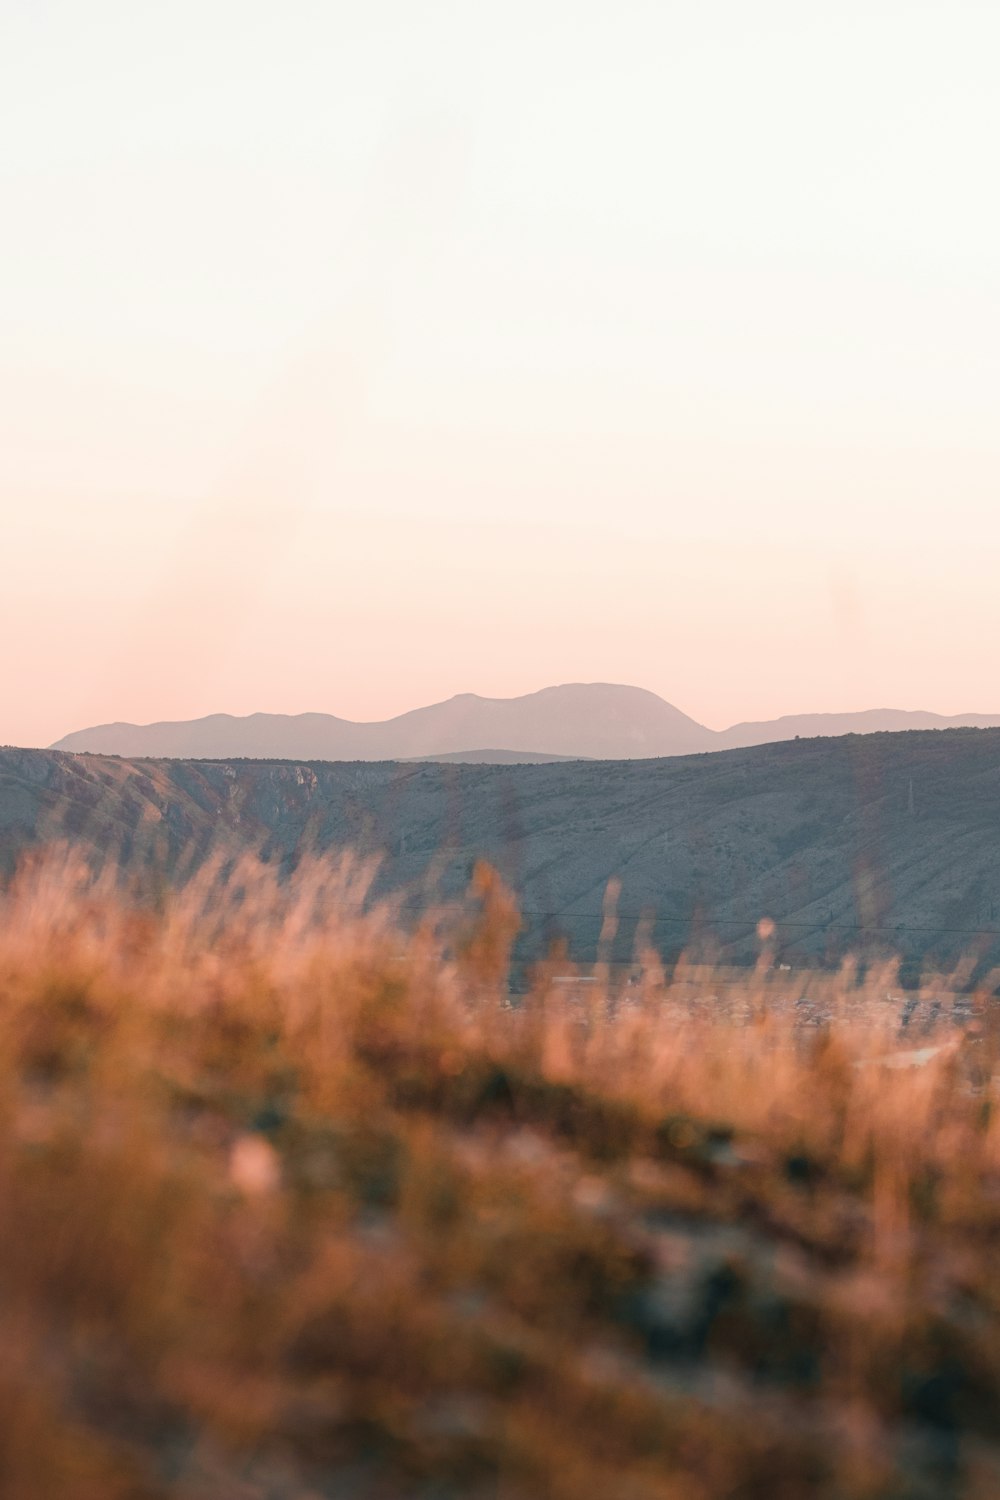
(300, 1202)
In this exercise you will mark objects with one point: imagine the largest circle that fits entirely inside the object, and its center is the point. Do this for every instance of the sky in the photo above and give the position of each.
(355, 355)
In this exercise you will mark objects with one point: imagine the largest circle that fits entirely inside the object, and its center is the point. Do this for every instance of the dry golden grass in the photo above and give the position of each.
(297, 1203)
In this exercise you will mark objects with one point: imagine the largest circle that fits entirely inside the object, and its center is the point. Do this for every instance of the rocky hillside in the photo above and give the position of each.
(878, 842)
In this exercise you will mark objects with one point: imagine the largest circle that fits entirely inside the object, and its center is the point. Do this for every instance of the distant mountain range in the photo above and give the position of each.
(587, 721)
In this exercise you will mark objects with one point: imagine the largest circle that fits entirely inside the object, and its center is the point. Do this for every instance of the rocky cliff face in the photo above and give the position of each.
(875, 842)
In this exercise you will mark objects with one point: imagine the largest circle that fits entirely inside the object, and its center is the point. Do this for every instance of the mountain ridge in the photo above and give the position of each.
(592, 721)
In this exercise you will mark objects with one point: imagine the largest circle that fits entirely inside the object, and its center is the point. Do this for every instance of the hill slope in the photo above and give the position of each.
(898, 835)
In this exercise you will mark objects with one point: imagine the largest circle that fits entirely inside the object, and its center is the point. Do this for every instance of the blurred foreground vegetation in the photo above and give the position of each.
(299, 1203)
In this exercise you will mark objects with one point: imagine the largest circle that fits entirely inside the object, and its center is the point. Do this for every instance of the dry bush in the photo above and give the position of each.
(298, 1202)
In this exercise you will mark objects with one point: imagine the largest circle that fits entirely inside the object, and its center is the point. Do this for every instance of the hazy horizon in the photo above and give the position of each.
(834, 713)
(355, 357)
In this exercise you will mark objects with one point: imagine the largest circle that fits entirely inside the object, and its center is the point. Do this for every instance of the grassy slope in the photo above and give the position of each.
(298, 1205)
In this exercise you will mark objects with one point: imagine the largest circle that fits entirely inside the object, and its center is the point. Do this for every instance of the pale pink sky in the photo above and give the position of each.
(357, 355)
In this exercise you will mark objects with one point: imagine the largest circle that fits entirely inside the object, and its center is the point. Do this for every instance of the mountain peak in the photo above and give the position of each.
(596, 720)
